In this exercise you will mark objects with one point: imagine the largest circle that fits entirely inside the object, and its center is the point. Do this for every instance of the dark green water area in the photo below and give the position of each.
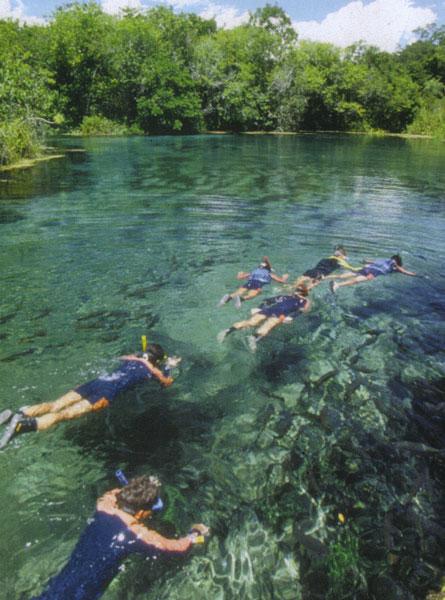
(341, 412)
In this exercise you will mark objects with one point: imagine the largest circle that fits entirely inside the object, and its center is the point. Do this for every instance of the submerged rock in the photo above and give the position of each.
(247, 564)
(321, 371)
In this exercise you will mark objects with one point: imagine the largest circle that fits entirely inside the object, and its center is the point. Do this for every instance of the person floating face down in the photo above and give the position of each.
(271, 313)
(371, 270)
(94, 395)
(117, 530)
(256, 280)
(324, 268)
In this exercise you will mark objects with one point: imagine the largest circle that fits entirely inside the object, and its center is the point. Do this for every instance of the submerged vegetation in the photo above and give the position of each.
(160, 72)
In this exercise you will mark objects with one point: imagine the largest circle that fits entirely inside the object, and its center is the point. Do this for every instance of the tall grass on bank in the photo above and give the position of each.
(18, 139)
(430, 120)
(93, 125)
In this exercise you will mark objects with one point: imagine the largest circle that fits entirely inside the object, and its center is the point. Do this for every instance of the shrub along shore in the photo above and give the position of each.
(157, 72)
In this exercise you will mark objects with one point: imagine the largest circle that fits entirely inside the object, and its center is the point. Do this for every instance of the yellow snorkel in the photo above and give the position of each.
(144, 343)
(344, 263)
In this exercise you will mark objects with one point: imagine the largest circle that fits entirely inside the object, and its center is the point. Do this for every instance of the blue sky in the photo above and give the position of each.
(384, 23)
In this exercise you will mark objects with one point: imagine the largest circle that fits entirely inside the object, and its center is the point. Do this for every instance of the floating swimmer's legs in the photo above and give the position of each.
(44, 408)
(254, 320)
(265, 329)
(74, 411)
(267, 326)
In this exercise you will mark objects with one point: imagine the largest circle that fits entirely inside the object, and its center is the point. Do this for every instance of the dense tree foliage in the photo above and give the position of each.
(159, 72)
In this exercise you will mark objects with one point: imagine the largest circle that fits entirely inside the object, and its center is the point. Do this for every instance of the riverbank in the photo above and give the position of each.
(26, 163)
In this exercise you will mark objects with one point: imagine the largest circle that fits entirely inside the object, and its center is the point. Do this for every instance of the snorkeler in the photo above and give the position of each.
(256, 280)
(271, 313)
(325, 267)
(94, 395)
(116, 531)
(370, 271)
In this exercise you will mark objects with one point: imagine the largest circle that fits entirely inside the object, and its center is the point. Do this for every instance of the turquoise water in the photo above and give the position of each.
(143, 236)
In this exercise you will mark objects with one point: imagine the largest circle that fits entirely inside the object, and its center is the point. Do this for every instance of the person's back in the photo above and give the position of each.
(261, 274)
(384, 265)
(115, 532)
(95, 561)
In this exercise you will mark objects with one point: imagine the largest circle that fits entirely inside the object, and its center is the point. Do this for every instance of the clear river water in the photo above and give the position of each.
(318, 461)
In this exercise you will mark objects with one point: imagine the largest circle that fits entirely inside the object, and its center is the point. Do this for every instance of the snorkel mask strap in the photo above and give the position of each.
(158, 505)
(120, 476)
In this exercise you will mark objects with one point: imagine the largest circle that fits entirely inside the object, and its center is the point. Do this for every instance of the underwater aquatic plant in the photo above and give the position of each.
(342, 564)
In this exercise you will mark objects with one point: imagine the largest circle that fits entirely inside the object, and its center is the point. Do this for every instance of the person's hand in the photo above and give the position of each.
(240, 275)
(173, 361)
(285, 277)
(167, 381)
(198, 532)
(200, 528)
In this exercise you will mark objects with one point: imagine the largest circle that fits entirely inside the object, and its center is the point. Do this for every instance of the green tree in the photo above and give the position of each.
(275, 21)
(80, 58)
(26, 99)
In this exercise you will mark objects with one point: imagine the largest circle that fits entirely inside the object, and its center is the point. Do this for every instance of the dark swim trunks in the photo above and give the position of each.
(324, 267)
(258, 278)
(127, 375)
(287, 306)
(369, 271)
(103, 546)
(254, 284)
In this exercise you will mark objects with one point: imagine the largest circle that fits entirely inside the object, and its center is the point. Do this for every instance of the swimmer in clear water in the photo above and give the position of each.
(370, 271)
(94, 395)
(271, 313)
(324, 268)
(117, 530)
(256, 280)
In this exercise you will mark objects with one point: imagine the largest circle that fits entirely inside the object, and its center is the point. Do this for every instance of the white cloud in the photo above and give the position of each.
(183, 3)
(10, 9)
(114, 7)
(225, 16)
(382, 23)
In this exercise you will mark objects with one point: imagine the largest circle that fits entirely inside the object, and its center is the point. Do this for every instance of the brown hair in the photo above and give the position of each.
(156, 353)
(140, 493)
(267, 262)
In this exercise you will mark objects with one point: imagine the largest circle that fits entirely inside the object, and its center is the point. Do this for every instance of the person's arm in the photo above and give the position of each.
(307, 306)
(281, 279)
(107, 504)
(171, 546)
(157, 373)
(163, 379)
(242, 275)
(344, 264)
(405, 272)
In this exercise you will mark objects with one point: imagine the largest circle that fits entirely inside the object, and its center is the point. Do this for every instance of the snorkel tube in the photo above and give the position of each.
(144, 346)
(155, 354)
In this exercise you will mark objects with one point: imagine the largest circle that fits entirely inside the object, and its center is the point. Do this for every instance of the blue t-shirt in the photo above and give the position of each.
(383, 266)
(95, 560)
(130, 373)
(260, 274)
